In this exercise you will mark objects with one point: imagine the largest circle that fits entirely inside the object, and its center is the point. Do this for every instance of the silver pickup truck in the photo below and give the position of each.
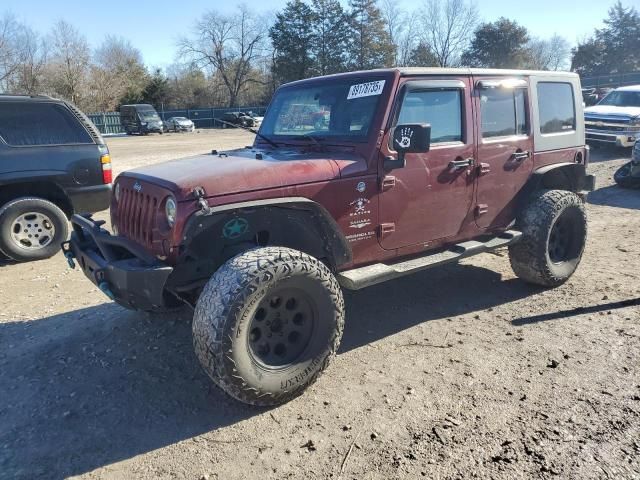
(615, 120)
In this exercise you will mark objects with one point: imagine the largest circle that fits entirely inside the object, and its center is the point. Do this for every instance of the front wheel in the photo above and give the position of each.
(554, 232)
(31, 229)
(267, 324)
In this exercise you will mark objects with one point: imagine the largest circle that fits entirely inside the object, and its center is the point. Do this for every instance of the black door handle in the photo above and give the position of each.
(519, 156)
(459, 163)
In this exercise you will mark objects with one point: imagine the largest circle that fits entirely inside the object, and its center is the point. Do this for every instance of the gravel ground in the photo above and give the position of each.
(460, 372)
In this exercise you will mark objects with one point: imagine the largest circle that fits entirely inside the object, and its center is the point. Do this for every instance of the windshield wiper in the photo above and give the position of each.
(306, 136)
(249, 129)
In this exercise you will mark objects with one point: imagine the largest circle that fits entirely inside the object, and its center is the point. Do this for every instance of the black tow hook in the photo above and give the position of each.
(102, 284)
(68, 254)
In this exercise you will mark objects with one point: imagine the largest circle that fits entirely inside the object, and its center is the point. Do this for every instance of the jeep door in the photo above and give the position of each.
(505, 147)
(429, 198)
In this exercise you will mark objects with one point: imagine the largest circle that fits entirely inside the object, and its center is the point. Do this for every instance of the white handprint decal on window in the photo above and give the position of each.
(405, 140)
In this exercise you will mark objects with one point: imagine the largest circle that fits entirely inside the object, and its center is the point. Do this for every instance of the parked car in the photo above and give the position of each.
(589, 96)
(615, 120)
(53, 163)
(238, 119)
(260, 240)
(257, 120)
(304, 116)
(179, 124)
(628, 175)
(141, 119)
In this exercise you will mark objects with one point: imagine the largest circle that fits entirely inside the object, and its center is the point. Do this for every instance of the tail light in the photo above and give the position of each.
(107, 174)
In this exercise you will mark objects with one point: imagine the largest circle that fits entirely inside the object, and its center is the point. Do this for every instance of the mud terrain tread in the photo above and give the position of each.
(220, 306)
(528, 257)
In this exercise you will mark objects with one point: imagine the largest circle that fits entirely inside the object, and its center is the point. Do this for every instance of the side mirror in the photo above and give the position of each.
(408, 138)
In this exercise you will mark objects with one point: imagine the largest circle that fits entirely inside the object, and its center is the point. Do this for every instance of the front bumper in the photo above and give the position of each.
(153, 128)
(122, 269)
(619, 139)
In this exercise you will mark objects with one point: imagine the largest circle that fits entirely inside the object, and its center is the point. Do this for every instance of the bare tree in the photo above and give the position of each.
(71, 57)
(408, 40)
(551, 54)
(447, 27)
(229, 45)
(396, 22)
(117, 71)
(11, 49)
(29, 77)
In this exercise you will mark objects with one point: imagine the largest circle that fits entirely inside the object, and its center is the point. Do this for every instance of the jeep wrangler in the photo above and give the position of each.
(413, 168)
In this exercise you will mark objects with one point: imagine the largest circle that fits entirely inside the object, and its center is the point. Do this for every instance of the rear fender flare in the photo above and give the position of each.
(558, 176)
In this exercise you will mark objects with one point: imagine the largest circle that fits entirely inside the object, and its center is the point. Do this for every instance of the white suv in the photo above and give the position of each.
(616, 118)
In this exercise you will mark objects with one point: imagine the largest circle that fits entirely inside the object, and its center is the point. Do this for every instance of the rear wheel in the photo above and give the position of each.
(31, 229)
(267, 324)
(554, 231)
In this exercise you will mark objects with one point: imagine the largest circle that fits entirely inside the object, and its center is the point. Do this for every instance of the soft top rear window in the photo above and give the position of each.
(40, 123)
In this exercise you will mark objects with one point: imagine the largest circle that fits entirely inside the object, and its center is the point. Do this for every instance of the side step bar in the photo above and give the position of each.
(380, 272)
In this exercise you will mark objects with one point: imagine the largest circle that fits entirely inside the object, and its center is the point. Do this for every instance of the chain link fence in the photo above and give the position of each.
(611, 80)
(109, 122)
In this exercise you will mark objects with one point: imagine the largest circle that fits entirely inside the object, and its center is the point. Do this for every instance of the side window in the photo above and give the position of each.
(442, 109)
(556, 107)
(503, 112)
(40, 123)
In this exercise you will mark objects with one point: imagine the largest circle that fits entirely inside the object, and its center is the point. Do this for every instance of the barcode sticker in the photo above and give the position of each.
(365, 89)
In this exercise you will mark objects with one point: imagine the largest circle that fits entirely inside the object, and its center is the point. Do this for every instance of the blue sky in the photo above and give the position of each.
(154, 26)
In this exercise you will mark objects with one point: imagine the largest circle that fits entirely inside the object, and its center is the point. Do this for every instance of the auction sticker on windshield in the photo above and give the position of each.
(365, 89)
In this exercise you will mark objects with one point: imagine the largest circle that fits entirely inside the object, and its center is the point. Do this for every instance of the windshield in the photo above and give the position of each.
(338, 110)
(622, 99)
(180, 119)
(148, 115)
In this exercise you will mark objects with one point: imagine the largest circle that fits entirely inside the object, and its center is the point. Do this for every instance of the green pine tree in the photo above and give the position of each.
(500, 44)
(292, 38)
(371, 46)
(613, 49)
(330, 37)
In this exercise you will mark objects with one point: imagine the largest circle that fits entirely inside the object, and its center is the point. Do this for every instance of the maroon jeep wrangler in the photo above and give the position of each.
(412, 169)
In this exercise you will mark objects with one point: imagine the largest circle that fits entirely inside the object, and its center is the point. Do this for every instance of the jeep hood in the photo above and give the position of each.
(239, 171)
(605, 110)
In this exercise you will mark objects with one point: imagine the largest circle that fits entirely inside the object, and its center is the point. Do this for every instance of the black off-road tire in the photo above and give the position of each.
(13, 209)
(623, 177)
(535, 258)
(230, 305)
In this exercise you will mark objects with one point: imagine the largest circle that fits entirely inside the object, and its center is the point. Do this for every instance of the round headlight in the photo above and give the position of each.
(116, 192)
(170, 211)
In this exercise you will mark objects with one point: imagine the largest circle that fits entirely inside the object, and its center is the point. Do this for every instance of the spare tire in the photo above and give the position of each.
(628, 175)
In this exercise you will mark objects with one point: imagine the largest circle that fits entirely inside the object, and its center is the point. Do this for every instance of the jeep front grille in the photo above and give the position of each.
(136, 215)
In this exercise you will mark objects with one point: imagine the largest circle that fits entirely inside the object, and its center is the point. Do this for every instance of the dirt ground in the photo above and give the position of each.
(458, 372)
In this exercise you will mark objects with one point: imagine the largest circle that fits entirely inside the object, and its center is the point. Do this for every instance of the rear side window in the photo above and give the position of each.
(442, 109)
(556, 107)
(504, 112)
(40, 123)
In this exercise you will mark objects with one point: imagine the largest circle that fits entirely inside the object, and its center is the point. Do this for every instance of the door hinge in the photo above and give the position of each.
(481, 209)
(484, 168)
(387, 183)
(386, 229)
(201, 197)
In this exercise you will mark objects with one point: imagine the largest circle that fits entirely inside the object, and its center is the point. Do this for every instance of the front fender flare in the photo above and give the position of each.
(294, 222)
